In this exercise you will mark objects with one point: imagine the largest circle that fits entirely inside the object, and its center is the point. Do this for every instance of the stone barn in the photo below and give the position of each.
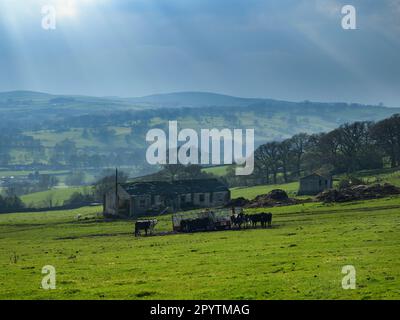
(154, 197)
(314, 184)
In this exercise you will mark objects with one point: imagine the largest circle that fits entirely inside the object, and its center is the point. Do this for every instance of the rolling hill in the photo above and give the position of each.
(114, 129)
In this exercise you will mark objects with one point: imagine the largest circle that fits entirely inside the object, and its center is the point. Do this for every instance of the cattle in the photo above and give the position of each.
(264, 219)
(146, 225)
(267, 219)
(239, 219)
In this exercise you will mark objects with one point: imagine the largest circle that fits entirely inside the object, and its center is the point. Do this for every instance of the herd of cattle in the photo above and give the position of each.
(246, 220)
(207, 223)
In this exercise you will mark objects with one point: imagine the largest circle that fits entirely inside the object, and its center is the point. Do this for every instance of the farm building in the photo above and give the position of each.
(314, 184)
(154, 197)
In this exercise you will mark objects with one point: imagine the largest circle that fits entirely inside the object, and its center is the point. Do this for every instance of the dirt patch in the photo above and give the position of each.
(360, 192)
(144, 294)
(95, 236)
(274, 198)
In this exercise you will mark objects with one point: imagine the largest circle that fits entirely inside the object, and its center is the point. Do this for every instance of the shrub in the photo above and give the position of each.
(10, 204)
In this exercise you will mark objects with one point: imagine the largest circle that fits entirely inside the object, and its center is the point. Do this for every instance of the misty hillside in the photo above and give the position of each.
(193, 99)
(67, 130)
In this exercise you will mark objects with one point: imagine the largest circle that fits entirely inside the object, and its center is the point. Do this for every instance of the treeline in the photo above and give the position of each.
(15, 140)
(349, 148)
(34, 183)
(10, 204)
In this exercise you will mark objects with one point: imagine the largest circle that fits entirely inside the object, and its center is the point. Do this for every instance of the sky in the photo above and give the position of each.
(282, 49)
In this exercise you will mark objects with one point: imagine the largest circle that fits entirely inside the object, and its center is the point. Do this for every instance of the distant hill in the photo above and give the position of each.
(21, 99)
(24, 95)
(194, 99)
(111, 130)
(272, 119)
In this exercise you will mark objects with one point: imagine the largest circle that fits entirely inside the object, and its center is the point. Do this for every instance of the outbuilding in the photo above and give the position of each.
(314, 184)
(154, 197)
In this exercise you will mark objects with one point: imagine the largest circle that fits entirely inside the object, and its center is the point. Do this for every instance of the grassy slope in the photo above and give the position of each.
(301, 257)
(218, 170)
(389, 175)
(252, 192)
(38, 199)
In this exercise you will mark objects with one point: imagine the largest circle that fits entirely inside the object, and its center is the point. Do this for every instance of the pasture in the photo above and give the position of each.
(56, 195)
(301, 257)
(252, 192)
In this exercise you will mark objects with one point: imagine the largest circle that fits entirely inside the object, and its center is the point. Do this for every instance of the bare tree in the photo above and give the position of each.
(285, 155)
(387, 135)
(298, 146)
(268, 157)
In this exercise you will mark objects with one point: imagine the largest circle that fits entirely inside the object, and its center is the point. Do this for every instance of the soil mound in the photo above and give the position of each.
(360, 192)
(274, 198)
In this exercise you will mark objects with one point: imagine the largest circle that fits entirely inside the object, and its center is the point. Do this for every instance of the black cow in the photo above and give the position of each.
(255, 218)
(146, 225)
(264, 219)
(239, 219)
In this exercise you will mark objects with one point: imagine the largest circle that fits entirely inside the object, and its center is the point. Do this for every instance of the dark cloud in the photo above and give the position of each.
(287, 49)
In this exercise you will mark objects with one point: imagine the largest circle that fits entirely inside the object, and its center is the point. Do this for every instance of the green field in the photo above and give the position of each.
(252, 192)
(218, 170)
(301, 257)
(58, 196)
(388, 175)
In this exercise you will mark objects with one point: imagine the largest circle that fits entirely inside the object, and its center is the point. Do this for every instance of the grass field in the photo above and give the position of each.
(58, 196)
(301, 257)
(218, 170)
(389, 175)
(252, 192)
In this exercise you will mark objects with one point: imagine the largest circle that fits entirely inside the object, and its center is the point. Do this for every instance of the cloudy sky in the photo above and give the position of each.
(282, 49)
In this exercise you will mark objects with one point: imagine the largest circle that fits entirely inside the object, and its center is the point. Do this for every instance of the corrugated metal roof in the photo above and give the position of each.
(174, 187)
(314, 175)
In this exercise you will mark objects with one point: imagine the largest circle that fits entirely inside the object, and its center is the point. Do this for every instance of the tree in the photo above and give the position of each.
(64, 150)
(49, 200)
(298, 147)
(262, 162)
(329, 149)
(77, 178)
(4, 158)
(285, 155)
(268, 157)
(357, 147)
(10, 204)
(386, 133)
(47, 181)
(107, 183)
(172, 171)
(193, 171)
